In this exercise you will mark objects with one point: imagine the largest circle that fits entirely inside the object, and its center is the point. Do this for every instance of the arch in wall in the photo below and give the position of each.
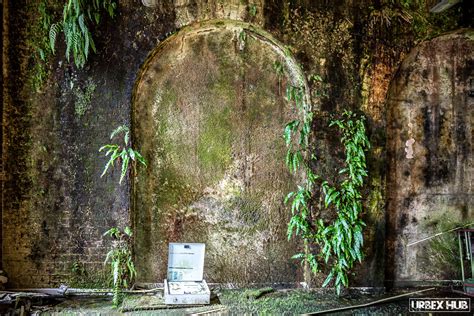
(430, 157)
(208, 114)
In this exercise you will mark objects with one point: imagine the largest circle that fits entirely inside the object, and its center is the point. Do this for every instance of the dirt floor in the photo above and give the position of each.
(238, 302)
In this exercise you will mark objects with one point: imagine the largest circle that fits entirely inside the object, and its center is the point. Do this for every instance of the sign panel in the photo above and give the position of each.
(186, 261)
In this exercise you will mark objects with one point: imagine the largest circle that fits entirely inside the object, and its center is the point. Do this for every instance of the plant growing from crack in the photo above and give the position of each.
(122, 269)
(124, 154)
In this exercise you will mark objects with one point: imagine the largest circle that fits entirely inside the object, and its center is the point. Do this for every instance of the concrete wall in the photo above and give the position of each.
(208, 113)
(55, 207)
(429, 128)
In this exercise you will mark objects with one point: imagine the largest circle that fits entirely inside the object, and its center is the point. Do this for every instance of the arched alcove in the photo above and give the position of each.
(430, 157)
(208, 115)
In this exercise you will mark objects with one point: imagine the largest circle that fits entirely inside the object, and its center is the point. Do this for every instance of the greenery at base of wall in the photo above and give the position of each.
(442, 250)
(122, 268)
(82, 276)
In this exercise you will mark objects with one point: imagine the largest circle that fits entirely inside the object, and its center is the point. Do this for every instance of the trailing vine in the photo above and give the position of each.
(340, 241)
(296, 135)
(77, 17)
(343, 239)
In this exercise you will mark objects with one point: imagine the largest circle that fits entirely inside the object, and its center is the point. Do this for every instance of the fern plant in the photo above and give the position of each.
(122, 153)
(297, 158)
(340, 241)
(122, 269)
(77, 17)
(343, 239)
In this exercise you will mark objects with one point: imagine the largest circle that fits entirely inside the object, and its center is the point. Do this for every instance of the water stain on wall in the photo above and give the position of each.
(428, 101)
(208, 116)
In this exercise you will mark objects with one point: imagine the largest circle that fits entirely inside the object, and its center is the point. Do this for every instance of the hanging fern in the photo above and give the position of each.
(77, 17)
(340, 240)
(53, 34)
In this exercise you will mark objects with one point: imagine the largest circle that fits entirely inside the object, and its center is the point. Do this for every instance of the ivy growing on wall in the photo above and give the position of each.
(340, 240)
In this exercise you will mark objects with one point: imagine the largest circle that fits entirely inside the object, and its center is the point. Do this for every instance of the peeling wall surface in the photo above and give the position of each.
(207, 115)
(430, 150)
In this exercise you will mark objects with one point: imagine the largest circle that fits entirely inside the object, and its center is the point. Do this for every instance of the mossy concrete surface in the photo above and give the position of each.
(208, 116)
(55, 206)
(237, 302)
(216, 173)
(430, 145)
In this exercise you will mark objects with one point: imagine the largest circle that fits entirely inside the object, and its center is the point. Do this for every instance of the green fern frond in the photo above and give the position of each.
(119, 258)
(82, 24)
(77, 14)
(118, 130)
(125, 154)
(86, 44)
(91, 43)
(53, 33)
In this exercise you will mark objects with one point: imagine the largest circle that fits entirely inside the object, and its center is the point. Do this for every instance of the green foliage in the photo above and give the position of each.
(242, 40)
(253, 10)
(122, 269)
(286, 302)
(279, 71)
(37, 41)
(84, 98)
(122, 153)
(279, 68)
(409, 20)
(343, 239)
(45, 23)
(442, 253)
(296, 134)
(82, 277)
(78, 15)
(340, 240)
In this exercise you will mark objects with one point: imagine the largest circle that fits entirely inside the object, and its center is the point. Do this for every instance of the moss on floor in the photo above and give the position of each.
(238, 302)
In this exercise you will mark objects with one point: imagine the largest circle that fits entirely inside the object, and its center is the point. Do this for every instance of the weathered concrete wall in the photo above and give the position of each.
(55, 206)
(430, 150)
(208, 114)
